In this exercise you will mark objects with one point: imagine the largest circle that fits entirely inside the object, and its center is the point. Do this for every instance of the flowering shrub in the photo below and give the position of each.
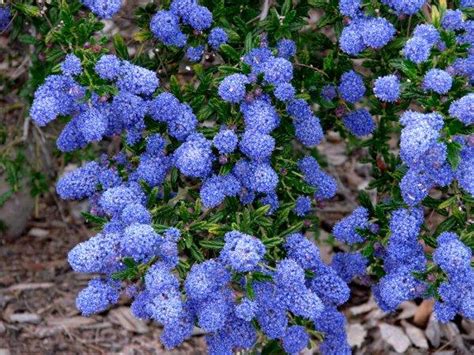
(206, 214)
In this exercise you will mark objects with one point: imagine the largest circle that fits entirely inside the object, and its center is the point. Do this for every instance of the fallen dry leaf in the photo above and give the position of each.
(423, 313)
(24, 318)
(123, 317)
(408, 310)
(363, 308)
(29, 286)
(70, 322)
(416, 335)
(395, 336)
(433, 331)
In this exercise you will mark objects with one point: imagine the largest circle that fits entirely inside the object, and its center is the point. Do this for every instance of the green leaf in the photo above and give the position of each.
(90, 218)
(120, 47)
(28, 10)
(230, 52)
(454, 150)
(248, 44)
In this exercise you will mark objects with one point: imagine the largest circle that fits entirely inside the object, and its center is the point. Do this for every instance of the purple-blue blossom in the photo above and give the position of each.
(437, 80)
(351, 87)
(387, 88)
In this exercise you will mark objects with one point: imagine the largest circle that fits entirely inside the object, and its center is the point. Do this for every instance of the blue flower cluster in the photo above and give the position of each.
(424, 155)
(405, 7)
(5, 18)
(260, 117)
(325, 184)
(166, 26)
(62, 95)
(348, 229)
(403, 256)
(387, 88)
(418, 48)
(103, 8)
(363, 31)
(457, 293)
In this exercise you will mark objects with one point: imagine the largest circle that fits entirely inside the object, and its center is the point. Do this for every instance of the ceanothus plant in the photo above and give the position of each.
(206, 212)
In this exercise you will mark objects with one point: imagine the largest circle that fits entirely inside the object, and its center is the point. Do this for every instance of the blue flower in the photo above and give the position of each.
(328, 92)
(140, 242)
(257, 58)
(165, 107)
(387, 88)
(194, 157)
(329, 286)
(98, 254)
(349, 265)
(199, 18)
(309, 131)
(277, 71)
(352, 87)
(232, 88)
(377, 32)
(260, 115)
(346, 229)
(108, 67)
(153, 170)
(359, 122)
(257, 146)
(242, 252)
(302, 206)
(417, 49)
(135, 213)
(405, 7)
(97, 297)
(351, 41)
(183, 124)
(217, 37)
(286, 48)
(137, 80)
(304, 252)
(395, 288)
(103, 8)
(263, 178)
(325, 184)
(463, 109)
(299, 109)
(284, 92)
(205, 278)
(195, 54)
(225, 141)
(295, 339)
(452, 20)
(350, 8)
(438, 81)
(246, 309)
(452, 255)
(165, 26)
(5, 18)
(428, 32)
(79, 183)
(71, 65)
(114, 200)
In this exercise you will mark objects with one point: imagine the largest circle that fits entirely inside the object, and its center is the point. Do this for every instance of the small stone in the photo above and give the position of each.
(38, 232)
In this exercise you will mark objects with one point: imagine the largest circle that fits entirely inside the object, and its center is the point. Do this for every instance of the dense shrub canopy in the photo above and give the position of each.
(206, 213)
